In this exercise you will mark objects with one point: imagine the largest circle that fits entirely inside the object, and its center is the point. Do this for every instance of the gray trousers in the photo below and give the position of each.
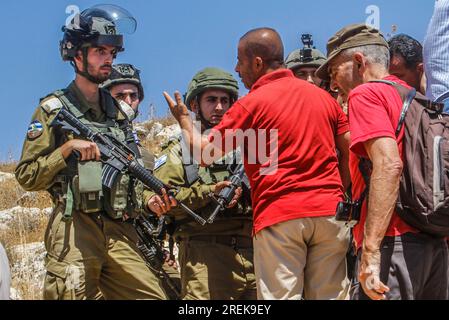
(413, 266)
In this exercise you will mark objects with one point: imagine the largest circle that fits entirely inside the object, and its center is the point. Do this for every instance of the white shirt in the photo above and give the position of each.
(5, 275)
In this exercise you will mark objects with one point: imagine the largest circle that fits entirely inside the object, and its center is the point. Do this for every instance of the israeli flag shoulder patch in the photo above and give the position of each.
(160, 162)
(35, 129)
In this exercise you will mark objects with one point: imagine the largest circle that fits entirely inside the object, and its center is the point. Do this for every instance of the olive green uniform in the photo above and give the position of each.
(216, 260)
(91, 252)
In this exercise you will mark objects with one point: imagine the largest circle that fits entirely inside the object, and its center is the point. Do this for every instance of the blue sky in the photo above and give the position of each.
(174, 39)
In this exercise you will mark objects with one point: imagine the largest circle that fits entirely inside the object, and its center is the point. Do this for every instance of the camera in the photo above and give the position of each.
(306, 52)
(306, 40)
(349, 212)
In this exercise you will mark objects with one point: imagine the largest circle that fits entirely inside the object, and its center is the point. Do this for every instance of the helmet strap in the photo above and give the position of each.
(207, 125)
(85, 73)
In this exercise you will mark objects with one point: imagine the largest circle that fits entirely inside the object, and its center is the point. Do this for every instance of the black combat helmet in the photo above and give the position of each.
(100, 25)
(124, 73)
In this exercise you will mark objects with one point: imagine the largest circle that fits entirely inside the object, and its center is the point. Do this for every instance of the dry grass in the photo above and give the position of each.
(11, 195)
(154, 145)
(8, 167)
(22, 229)
(165, 121)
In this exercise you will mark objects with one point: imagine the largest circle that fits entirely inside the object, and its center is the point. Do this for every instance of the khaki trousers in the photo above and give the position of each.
(95, 257)
(302, 259)
(214, 271)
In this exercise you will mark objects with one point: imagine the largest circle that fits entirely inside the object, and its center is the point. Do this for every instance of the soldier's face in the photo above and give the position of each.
(307, 74)
(213, 104)
(99, 62)
(128, 93)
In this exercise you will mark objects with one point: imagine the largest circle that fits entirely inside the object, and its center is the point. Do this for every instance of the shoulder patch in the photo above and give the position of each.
(160, 162)
(35, 130)
(51, 104)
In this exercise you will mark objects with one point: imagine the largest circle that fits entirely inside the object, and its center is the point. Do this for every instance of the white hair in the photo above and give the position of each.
(375, 54)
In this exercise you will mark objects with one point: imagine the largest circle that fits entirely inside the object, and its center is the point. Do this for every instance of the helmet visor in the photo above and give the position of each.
(123, 19)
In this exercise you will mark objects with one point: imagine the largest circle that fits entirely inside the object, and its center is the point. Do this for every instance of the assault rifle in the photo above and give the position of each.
(225, 196)
(117, 157)
(150, 245)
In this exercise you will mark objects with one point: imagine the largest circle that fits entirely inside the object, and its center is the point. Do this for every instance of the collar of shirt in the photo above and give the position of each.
(397, 80)
(272, 76)
(84, 105)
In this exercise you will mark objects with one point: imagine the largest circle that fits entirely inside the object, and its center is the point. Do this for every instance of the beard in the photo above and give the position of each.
(98, 76)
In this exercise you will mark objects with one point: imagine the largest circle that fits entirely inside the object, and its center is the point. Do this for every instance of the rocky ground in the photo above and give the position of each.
(24, 215)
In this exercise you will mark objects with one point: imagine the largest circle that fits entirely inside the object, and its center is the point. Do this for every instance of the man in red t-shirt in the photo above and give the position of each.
(395, 261)
(289, 131)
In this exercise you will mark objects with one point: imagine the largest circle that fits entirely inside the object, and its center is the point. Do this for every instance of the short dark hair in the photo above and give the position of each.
(408, 48)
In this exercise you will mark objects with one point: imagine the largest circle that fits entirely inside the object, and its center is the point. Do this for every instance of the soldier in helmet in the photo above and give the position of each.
(91, 249)
(125, 86)
(216, 260)
(304, 62)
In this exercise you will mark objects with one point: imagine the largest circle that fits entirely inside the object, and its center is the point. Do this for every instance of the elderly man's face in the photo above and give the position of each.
(344, 76)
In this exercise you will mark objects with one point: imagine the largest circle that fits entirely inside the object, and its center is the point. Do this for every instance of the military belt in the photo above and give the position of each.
(232, 241)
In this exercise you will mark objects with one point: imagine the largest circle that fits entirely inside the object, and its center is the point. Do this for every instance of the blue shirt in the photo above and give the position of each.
(436, 54)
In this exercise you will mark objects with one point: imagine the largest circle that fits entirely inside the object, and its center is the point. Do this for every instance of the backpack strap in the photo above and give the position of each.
(407, 102)
(407, 96)
(384, 81)
(365, 165)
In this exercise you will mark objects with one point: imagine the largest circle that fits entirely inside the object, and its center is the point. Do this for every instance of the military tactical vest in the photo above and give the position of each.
(81, 182)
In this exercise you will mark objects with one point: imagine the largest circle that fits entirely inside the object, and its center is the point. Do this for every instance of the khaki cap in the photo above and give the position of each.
(351, 36)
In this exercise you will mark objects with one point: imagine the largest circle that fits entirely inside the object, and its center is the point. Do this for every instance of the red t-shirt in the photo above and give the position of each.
(306, 181)
(374, 110)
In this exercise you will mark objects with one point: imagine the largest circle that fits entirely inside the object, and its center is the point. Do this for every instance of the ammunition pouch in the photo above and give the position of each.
(135, 200)
(87, 187)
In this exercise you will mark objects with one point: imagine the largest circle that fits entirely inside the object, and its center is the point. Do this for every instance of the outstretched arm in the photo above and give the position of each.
(193, 137)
